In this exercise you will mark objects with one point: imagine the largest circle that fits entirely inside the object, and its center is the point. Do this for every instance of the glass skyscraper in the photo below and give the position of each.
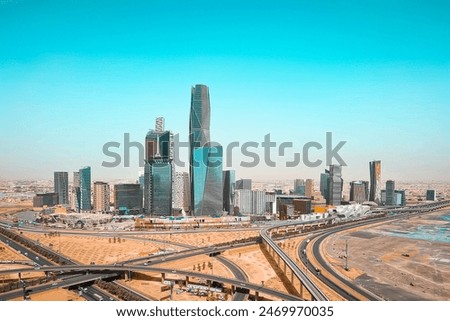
(205, 160)
(85, 188)
(61, 184)
(229, 185)
(158, 170)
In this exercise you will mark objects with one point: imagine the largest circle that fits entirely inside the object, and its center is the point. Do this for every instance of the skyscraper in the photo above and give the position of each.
(324, 185)
(61, 184)
(205, 159)
(359, 191)
(76, 192)
(158, 170)
(335, 184)
(309, 187)
(229, 185)
(85, 188)
(101, 197)
(299, 187)
(375, 181)
(390, 193)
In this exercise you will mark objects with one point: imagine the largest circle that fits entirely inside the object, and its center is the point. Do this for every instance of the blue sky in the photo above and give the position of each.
(77, 74)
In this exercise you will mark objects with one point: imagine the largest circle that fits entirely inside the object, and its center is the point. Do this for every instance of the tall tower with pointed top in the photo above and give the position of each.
(205, 159)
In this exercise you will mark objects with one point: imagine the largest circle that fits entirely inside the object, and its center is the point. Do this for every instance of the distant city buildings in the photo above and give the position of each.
(244, 183)
(158, 170)
(243, 201)
(431, 195)
(101, 197)
(309, 188)
(375, 181)
(324, 177)
(390, 193)
(229, 186)
(205, 160)
(61, 187)
(45, 199)
(299, 187)
(85, 189)
(128, 197)
(75, 202)
(335, 185)
(359, 191)
(399, 198)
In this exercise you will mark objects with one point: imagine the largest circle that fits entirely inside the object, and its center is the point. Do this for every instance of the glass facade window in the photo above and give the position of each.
(85, 189)
(128, 196)
(162, 188)
(207, 181)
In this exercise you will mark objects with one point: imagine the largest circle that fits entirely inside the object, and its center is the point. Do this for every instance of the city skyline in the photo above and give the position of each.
(379, 85)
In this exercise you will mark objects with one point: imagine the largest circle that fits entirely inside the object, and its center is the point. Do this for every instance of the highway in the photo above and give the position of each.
(107, 269)
(315, 292)
(40, 260)
(350, 287)
(63, 283)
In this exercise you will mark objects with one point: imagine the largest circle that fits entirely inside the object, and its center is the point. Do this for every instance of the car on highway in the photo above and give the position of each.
(55, 284)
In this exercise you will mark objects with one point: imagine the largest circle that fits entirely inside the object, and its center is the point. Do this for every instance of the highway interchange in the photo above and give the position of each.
(80, 277)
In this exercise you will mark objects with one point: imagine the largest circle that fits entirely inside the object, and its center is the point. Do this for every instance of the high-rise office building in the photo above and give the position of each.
(85, 189)
(158, 170)
(101, 197)
(243, 200)
(181, 195)
(76, 193)
(61, 187)
(128, 197)
(259, 202)
(299, 187)
(431, 195)
(375, 181)
(229, 185)
(324, 177)
(309, 187)
(205, 159)
(244, 183)
(359, 191)
(390, 193)
(335, 185)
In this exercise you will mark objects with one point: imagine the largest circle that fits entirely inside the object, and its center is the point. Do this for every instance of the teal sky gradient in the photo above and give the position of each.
(77, 74)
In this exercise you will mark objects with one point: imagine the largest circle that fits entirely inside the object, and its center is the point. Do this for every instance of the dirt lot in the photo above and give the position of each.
(393, 261)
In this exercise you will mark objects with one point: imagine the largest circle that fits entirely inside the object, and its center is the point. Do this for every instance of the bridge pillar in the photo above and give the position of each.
(187, 280)
(256, 296)
(233, 289)
(292, 277)
(130, 274)
(163, 277)
(301, 288)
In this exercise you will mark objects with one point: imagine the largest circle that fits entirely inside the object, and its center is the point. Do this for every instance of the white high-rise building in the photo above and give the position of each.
(181, 197)
(244, 201)
(259, 202)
